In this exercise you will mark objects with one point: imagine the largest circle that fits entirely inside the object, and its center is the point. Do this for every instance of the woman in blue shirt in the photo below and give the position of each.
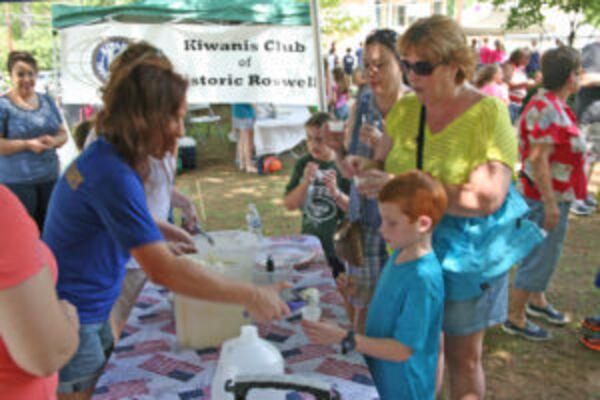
(31, 129)
(98, 217)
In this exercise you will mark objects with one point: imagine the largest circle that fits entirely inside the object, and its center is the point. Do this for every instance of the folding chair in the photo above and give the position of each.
(200, 114)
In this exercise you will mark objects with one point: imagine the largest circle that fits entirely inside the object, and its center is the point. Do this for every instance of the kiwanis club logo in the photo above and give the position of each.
(105, 53)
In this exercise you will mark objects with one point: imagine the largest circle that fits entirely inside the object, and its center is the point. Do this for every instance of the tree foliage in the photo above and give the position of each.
(524, 13)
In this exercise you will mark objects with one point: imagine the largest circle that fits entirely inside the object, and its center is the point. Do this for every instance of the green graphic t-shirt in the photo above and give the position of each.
(320, 214)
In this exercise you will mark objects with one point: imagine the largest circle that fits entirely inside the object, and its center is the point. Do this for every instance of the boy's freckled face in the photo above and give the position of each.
(396, 228)
(317, 146)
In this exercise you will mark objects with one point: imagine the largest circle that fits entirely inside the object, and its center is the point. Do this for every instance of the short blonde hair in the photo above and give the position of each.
(439, 39)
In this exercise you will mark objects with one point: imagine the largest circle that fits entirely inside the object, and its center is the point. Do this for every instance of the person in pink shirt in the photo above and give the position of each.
(498, 55)
(485, 53)
(489, 80)
(38, 333)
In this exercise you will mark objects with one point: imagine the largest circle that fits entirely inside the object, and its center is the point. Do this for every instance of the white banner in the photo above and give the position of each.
(224, 64)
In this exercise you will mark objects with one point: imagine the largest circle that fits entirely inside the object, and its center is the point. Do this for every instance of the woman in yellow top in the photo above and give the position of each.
(470, 145)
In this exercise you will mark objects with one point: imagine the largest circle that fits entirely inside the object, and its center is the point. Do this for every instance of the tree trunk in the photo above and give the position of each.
(9, 41)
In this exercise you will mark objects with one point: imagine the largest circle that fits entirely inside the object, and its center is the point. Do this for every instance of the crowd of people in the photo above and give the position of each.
(471, 132)
(416, 202)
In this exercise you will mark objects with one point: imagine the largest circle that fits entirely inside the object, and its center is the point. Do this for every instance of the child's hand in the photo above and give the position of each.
(309, 171)
(323, 332)
(330, 182)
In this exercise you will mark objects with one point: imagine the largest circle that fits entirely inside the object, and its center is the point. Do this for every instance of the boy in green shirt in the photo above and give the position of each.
(318, 189)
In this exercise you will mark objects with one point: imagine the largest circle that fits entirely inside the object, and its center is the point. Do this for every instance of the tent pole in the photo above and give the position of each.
(316, 28)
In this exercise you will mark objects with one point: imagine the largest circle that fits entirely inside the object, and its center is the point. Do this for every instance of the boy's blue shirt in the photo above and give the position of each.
(97, 214)
(408, 306)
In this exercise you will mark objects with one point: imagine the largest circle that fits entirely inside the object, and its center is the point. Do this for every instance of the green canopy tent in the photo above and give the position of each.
(289, 13)
(278, 12)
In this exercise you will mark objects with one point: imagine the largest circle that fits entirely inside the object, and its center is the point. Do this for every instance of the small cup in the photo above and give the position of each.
(336, 126)
(311, 313)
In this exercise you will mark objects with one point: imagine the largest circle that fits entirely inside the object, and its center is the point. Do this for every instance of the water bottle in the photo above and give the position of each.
(253, 221)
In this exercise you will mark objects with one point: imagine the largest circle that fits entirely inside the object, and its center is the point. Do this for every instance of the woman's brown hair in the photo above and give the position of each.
(23, 56)
(439, 39)
(485, 75)
(339, 76)
(141, 101)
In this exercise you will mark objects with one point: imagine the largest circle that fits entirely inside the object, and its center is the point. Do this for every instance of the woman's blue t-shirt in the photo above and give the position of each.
(408, 306)
(97, 214)
(18, 123)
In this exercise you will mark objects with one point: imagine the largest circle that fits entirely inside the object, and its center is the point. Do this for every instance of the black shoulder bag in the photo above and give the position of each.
(421, 139)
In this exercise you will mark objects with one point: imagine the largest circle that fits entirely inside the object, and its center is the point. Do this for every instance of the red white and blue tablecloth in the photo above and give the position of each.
(148, 364)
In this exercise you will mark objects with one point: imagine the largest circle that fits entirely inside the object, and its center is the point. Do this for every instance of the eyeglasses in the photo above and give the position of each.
(421, 68)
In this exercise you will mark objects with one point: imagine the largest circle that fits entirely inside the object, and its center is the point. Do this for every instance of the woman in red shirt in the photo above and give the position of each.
(552, 152)
(38, 333)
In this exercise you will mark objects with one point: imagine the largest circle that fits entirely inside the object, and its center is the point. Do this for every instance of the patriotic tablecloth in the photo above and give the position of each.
(148, 364)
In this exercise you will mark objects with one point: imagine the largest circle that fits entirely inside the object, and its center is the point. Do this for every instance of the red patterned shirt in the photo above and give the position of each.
(548, 119)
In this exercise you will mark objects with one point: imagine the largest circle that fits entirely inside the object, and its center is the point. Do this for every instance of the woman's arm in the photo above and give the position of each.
(542, 176)
(59, 138)
(184, 276)
(40, 331)
(13, 146)
(483, 194)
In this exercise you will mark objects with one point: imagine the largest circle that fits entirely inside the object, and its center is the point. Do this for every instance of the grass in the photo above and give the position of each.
(515, 369)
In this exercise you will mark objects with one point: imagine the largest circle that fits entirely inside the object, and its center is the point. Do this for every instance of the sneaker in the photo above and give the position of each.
(591, 323)
(549, 313)
(530, 332)
(578, 207)
(590, 343)
(591, 202)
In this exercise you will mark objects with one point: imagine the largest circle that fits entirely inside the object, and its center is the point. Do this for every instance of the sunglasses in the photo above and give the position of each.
(421, 68)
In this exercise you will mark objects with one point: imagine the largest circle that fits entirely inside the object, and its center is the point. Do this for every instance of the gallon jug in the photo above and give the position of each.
(201, 323)
(247, 354)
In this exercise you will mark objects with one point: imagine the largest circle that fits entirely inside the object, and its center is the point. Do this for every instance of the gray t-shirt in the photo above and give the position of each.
(18, 123)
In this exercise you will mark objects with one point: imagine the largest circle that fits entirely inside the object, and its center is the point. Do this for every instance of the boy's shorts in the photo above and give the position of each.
(82, 371)
(463, 318)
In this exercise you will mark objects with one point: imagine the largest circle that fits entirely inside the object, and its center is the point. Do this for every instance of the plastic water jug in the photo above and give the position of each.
(247, 354)
(200, 323)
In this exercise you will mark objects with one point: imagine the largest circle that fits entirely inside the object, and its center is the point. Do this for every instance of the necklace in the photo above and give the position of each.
(30, 103)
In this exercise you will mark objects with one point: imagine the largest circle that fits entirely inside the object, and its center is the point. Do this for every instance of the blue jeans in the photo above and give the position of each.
(82, 371)
(463, 318)
(537, 268)
(35, 197)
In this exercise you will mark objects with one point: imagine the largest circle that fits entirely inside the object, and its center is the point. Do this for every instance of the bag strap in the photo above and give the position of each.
(421, 139)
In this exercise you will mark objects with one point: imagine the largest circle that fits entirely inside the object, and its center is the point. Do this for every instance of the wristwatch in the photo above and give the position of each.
(348, 343)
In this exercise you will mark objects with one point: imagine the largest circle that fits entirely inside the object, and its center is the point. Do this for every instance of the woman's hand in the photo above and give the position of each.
(370, 135)
(38, 145)
(323, 332)
(266, 304)
(370, 182)
(352, 165)
(551, 215)
(190, 217)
